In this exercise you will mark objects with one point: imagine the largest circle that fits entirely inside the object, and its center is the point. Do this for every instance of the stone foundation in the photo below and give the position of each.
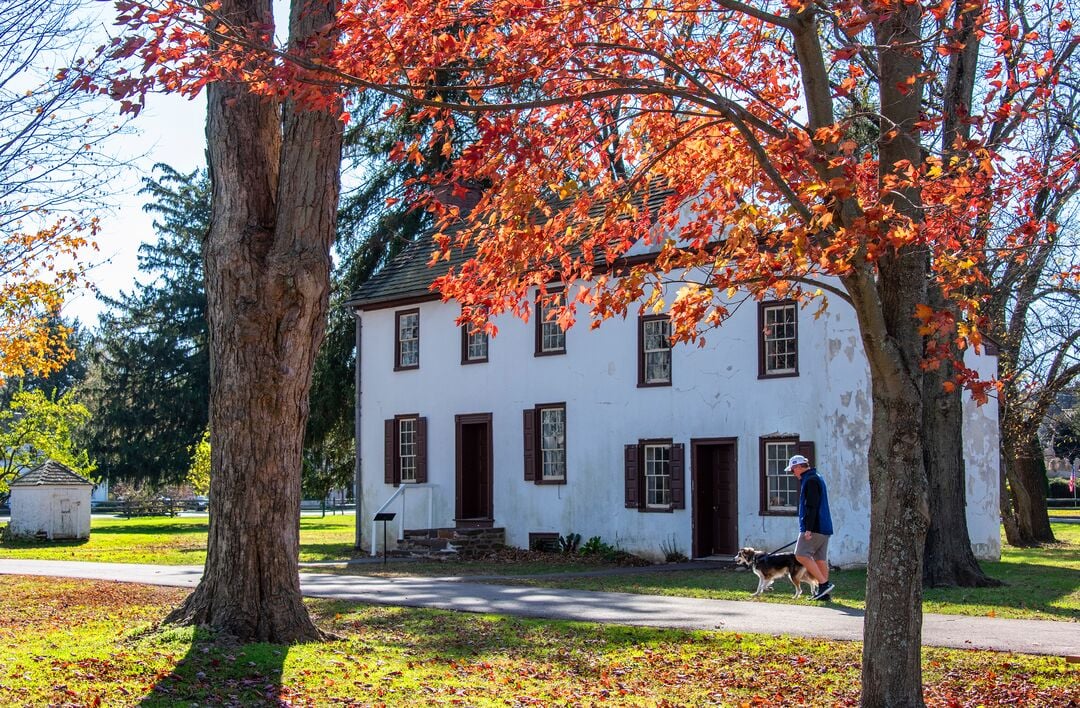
(440, 543)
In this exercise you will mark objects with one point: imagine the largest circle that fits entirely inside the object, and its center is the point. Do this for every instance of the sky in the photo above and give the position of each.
(170, 130)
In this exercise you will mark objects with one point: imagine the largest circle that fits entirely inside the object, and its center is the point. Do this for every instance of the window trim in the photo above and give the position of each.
(538, 450)
(392, 449)
(399, 459)
(398, 314)
(644, 506)
(763, 480)
(539, 351)
(465, 360)
(763, 372)
(642, 383)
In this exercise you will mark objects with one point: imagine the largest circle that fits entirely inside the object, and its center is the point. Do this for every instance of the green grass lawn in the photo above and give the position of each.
(176, 541)
(89, 643)
(1071, 513)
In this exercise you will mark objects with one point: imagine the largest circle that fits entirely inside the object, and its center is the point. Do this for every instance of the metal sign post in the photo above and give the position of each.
(384, 516)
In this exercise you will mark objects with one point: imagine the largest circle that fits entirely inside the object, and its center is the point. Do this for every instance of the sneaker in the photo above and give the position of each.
(824, 598)
(823, 592)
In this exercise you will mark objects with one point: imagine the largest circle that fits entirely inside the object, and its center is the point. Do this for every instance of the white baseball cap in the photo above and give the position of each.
(796, 460)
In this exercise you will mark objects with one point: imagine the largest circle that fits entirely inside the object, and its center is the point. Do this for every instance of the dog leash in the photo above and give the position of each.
(781, 548)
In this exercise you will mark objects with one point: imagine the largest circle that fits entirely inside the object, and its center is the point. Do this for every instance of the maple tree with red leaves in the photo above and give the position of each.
(776, 149)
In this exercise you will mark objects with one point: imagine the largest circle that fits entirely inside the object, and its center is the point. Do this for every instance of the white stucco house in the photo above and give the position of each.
(52, 502)
(612, 433)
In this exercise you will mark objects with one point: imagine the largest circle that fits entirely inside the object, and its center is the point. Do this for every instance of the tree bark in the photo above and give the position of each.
(275, 173)
(949, 560)
(1027, 520)
(892, 631)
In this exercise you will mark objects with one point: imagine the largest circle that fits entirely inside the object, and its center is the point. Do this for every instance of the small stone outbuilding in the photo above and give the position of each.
(52, 502)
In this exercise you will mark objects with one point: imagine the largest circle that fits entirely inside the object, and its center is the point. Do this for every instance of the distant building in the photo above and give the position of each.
(52, 502)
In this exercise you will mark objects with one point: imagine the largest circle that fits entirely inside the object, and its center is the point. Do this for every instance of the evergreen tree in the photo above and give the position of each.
(148, 384)
(376, 222)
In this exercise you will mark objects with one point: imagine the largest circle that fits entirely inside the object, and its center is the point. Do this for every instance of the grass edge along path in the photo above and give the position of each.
(1043, 583)
(84, 642)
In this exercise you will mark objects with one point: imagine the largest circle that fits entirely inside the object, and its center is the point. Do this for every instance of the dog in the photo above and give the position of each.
(770, 567)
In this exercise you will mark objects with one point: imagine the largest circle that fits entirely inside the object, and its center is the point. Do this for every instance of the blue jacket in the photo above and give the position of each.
(814, 504)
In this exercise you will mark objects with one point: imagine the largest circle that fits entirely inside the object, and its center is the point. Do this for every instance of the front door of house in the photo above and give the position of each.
(474, 470)
(715, 500)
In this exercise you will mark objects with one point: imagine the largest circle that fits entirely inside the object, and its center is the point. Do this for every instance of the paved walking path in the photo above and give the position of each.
(804, 619)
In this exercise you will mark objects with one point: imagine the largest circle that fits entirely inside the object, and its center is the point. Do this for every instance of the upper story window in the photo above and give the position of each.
(545, 443)
(778, 339)
(780, 489)
(654, 351)
(550, 337)
(407, 341)
(474, 345)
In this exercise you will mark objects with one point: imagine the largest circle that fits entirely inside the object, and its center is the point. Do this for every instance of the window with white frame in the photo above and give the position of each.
(781, 488)
(657, 476)
(552, 443)
(654, 356)
(550, 337)
(407, 344)
(407, 449)
(476, 346)
(779, 341)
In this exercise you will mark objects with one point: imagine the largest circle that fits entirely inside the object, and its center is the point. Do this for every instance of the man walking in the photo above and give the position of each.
(815, 524)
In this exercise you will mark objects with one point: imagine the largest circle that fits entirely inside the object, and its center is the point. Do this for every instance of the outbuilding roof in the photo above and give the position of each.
(52, 472)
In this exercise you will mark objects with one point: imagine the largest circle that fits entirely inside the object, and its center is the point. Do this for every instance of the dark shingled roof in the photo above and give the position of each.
(408, 277)
(52, 472)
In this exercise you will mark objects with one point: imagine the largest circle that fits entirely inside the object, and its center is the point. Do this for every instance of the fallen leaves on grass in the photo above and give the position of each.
(402, 656)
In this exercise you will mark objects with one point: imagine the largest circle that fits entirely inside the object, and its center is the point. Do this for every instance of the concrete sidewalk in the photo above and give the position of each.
(803, 619)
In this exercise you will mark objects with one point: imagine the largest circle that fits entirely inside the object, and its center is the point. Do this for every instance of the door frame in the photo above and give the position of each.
(459, 421)
(696, 443)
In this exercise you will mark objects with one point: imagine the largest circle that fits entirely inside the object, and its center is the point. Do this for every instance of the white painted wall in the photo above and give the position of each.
(716, 393)
(40, 508)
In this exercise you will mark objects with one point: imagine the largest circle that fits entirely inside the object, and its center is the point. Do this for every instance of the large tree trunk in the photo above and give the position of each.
(949, 560)
(1027, 521)
(892, 631)
(275, 188)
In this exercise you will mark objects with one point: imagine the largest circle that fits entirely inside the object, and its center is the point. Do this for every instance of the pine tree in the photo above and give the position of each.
(148, 383)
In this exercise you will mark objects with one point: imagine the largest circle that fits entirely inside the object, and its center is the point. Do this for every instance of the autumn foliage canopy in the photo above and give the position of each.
(737, 142)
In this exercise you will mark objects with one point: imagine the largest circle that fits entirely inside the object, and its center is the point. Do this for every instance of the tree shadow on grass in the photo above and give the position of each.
(217, 670)
(450, 635)
(15, 543)
(1028, 586)
(152, 529)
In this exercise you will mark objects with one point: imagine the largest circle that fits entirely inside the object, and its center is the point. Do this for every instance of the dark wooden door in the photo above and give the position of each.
(716, 499)
(474, 469)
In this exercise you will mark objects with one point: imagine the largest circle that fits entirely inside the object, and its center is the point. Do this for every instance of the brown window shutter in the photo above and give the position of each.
(678, 476)
(632, 481)
(421, 450)
(806, 449)
(389, 452)
(529, 429)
